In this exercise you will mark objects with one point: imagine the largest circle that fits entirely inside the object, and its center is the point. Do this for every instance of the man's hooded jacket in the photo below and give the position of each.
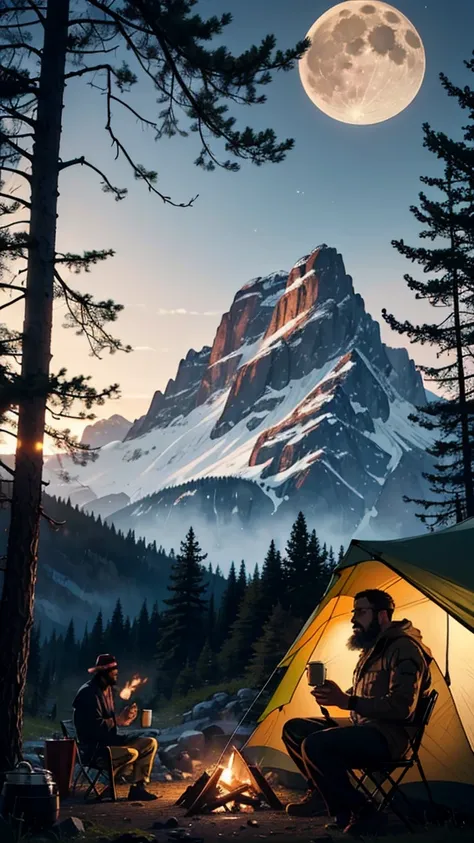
(388, 682)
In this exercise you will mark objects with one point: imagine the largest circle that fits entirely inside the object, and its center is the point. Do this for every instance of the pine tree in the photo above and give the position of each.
(236, 651)
(279, 632)
(242, 582)
(341, 554)
(272, 580)
(84, 650)
(228, 608)
(143, 632)
(317, 576)
(129, 648)
(155, 628)
(184, 621)
(96, 640)
(186, 680)
(69, 651)
(62, 40)
(331, 563)
(33, 695)
(211, 623)
(295, 568)
(45, 684)
(207, 667)
(114, 635)
(448, 222)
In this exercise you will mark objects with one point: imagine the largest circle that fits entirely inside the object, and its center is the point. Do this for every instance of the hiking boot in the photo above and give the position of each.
(139, 793)
(368, 822)
(310, 806)
(339, 822)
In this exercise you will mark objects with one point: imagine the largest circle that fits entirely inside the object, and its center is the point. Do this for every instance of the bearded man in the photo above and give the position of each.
(391, 676)
(96, 724)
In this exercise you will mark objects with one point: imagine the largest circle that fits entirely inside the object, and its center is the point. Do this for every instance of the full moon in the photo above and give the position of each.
(366, 62)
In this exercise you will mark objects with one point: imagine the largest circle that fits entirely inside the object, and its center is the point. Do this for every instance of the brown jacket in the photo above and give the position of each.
(388, 682)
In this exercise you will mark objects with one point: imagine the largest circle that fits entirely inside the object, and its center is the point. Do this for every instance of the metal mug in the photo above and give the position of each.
(316, 673)
(146, 718)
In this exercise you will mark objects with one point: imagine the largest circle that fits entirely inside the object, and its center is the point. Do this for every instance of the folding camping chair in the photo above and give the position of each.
(387, 778)
(91, 771)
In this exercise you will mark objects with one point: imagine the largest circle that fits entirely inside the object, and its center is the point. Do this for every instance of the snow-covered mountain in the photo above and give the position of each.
(297, 405)
(104, 431)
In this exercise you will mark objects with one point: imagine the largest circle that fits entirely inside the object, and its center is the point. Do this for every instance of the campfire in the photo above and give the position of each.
(130, 687)
(237, 787)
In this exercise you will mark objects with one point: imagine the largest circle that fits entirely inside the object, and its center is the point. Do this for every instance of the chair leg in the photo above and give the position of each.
(387, 798)
(92, 785)
(424, 780)
(112, 781)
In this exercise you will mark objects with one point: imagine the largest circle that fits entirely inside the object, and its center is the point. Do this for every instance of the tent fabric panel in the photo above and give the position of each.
(448, 553)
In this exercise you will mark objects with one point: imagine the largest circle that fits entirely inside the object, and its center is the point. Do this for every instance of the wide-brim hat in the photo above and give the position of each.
(103, 663)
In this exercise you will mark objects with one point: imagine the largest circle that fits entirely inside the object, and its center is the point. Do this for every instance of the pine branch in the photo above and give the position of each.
(107, 186)
(13, 301)
(51, 521)
(4, 138)
(149, 177)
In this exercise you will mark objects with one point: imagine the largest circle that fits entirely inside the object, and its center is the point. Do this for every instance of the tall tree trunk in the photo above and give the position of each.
(17, 603)
(463, 408)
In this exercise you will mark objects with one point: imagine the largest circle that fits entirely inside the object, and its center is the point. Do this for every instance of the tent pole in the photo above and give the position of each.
(239, 724)
(447, 677)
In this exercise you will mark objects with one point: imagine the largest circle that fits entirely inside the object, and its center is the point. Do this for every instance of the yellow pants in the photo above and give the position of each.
(137, 757)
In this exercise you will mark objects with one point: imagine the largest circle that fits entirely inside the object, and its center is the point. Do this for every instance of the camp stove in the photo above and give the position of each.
(237, 787)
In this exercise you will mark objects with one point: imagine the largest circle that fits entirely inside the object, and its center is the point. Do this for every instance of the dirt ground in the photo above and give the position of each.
(213, 828)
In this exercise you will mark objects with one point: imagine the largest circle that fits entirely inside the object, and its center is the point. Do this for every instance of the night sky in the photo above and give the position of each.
(347, 186)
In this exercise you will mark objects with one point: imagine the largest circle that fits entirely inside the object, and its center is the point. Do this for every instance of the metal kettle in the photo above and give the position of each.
(24, 774)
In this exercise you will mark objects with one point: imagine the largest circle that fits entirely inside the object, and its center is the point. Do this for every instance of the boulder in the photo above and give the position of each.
(205, 709)
(221, 699)
(70, 827)
(232, 710)
(192, 741)
(170, 755)
(184, 764)
(172, 735)
(187, 716)
(246, 695)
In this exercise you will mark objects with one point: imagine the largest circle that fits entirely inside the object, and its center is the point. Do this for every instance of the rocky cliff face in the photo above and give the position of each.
(297, 395)
(179, 397)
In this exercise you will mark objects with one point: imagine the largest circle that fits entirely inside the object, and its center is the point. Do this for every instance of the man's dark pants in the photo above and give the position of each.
(324, 755)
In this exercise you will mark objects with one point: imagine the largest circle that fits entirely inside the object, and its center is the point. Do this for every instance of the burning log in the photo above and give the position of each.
(238, 784)
(209, 787)
(220, 801)
(188, 797)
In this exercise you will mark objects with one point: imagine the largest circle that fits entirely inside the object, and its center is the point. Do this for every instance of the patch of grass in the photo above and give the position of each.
(35, 727)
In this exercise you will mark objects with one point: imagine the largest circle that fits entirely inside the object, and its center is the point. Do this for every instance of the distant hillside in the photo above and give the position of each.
(87, 565)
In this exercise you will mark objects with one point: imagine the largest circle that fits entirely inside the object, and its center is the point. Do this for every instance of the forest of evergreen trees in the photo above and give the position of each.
(195, 640)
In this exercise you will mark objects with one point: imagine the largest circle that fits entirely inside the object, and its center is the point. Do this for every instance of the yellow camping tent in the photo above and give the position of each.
(431, 578)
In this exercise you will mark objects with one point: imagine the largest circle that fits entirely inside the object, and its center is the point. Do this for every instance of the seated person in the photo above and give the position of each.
(96, 724)
(391, 676)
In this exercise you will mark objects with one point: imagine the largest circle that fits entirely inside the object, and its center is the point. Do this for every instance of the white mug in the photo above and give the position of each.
(146, 718)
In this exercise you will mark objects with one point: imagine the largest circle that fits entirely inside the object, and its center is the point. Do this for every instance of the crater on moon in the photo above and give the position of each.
(366, 63)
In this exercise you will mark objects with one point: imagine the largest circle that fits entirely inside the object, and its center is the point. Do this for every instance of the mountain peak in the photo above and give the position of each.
(104, 431)
(297, 398)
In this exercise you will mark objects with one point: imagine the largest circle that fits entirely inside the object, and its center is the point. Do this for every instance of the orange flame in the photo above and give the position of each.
(131, 687)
